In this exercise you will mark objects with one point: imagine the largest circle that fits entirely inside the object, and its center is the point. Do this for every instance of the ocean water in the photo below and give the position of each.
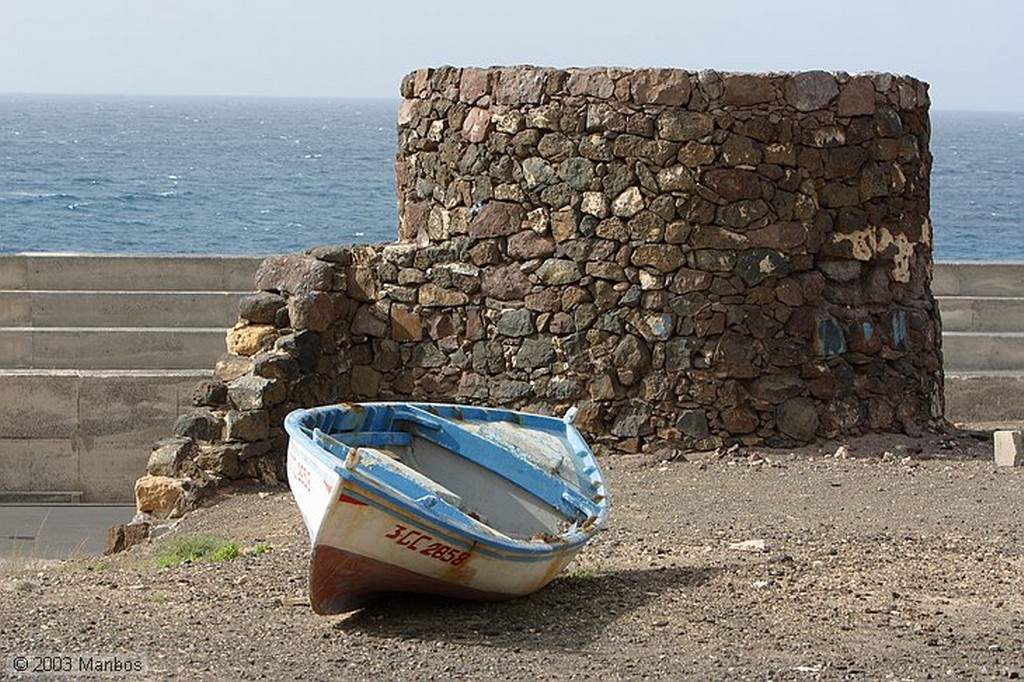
(977, 206)
(223, 175)
(189, 175)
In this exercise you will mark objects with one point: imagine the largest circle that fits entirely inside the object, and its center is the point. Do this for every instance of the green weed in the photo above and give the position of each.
(195, 547)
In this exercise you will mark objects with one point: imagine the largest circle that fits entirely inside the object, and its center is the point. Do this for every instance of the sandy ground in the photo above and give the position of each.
(897, 559)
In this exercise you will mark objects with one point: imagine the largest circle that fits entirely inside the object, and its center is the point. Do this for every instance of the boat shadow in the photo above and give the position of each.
(573, 608)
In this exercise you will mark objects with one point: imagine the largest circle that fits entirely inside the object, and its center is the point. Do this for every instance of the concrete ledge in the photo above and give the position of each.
(978, 278)
(144, 272)
(982, 352)
(80, 405)
(996, 314)
(26, 308)
(40, 497)
(111, 348)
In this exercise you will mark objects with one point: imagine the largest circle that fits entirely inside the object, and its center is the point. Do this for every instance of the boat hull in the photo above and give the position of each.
(369, 541)
(368, 548)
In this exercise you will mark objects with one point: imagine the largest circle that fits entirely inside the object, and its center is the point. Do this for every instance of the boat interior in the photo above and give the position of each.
(497, 476)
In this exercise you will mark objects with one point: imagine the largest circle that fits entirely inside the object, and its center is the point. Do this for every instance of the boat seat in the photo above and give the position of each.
(422, 481)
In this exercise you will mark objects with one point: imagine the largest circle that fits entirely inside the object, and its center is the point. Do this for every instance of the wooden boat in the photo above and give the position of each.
(462, 501)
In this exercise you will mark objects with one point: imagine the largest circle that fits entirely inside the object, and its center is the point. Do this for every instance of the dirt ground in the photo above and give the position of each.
(893, 558)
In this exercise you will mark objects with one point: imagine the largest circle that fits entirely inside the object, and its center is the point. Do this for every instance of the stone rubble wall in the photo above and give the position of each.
(694, 259)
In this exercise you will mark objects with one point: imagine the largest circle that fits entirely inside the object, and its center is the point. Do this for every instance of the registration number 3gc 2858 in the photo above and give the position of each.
(426, 545)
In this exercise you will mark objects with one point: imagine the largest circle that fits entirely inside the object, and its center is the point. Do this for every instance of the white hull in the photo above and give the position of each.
(380, 520)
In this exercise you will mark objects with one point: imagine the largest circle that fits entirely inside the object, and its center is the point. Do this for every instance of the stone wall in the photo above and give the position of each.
(692, 259)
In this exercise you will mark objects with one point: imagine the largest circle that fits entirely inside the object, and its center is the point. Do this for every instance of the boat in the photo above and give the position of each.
(455, 500)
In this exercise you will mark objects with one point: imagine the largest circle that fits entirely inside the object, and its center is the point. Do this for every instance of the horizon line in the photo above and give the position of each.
(395, 98)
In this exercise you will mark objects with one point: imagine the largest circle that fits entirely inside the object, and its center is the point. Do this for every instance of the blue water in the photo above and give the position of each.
(977, 205)
(187, 175)
(182, 175)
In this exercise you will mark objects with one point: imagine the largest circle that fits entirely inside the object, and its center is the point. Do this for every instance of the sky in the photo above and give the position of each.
(969, 51)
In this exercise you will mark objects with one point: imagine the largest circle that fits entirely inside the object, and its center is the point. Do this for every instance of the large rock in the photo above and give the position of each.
(798, 419)
(810, 90)
(497, 219)
(661, 257)
(683, 126)
(406, 325)
(733, 184)
(231, 366)
(273, 365)
(477, 125)
(210, 393)
(202, 424)
(304, 346)
(261, 307)
(670, 87)
(628, 203)
(170, 455)
(372, 320)
(247, 426)
(634, 419)
(434, 296)
(219, 460)
(249, 339)
(294, 275)
(159, 496)
(313, 311)
(516, 322)
(535, 353)
(558, 271)
(506, 283)
(747, 89)
(125, 536)
(857, 98)
(529, 245)
(250, 393)
(631, 354)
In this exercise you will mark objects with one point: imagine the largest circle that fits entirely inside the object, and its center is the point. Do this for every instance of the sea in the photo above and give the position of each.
(118, 174)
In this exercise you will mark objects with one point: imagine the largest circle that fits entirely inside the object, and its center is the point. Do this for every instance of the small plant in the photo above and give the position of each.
(261, 548)
(195, 547)
(226, 552)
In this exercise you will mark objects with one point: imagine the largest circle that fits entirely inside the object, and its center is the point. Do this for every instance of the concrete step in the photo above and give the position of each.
(87, 431)
(111, 348)
(126, 272)
(40, 497)
(978, 278)
(981, 313)
(980, 398)
(982, 352)
(30, 308)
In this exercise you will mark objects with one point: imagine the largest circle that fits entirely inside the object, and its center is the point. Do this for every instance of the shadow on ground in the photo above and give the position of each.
(570, 611)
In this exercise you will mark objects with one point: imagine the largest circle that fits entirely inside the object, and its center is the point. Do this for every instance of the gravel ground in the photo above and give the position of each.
(891, 559)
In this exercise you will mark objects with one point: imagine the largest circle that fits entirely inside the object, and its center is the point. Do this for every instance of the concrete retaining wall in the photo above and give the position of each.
(982, 307)
(99, 354)
(86, 433)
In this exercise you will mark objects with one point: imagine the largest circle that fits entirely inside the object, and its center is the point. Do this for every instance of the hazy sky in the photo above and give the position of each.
(970, 51)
